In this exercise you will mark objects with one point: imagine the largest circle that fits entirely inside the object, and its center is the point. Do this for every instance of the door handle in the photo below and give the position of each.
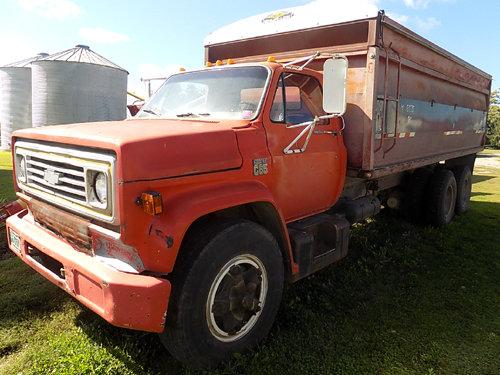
(332, 132)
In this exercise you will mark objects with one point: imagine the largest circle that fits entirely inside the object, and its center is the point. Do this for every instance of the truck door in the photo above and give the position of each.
(309, 181)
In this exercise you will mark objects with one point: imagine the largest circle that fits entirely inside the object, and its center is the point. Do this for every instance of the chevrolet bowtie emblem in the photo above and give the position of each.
(51, 176)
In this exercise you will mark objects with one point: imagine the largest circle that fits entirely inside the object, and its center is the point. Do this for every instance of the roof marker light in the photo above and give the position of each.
(230, 61)
(271, 59)
(208, 64)
(219, 63)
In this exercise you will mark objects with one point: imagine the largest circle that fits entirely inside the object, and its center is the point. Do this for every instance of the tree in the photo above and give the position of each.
(493, 120)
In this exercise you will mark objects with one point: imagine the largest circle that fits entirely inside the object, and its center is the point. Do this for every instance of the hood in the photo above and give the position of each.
(149, 149)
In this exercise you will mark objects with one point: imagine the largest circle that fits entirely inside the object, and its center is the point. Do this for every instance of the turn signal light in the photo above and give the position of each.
(151, 203)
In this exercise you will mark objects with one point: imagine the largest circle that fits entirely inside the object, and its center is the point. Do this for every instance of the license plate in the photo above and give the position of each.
(15, 241)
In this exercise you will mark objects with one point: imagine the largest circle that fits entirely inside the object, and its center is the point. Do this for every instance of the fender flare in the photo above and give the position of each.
(183, 209)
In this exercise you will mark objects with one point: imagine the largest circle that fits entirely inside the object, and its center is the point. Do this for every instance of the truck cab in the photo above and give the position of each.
(112, 207)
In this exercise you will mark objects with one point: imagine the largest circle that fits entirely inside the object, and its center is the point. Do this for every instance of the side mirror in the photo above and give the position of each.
(334, 85)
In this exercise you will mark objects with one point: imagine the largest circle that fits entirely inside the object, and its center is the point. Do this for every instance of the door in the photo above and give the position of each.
(310, 178)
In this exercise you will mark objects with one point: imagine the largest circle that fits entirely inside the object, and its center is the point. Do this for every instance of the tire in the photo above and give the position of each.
(442, 196)
(463, 176)
(208, 319)
(413, 207)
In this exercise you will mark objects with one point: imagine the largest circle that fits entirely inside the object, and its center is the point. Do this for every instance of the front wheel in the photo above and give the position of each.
(226, 292)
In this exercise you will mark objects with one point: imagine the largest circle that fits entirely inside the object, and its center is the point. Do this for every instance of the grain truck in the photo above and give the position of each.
(247, 174)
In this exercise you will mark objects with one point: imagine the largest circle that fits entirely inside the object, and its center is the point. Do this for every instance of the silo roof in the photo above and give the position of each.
(26, 62)
(82, 54)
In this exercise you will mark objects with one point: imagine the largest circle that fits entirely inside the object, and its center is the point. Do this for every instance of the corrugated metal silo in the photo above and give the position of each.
(77, 85)
(15, 98)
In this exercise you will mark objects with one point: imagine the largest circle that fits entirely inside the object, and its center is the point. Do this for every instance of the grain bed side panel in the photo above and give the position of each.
(442, 103)
(359, 113)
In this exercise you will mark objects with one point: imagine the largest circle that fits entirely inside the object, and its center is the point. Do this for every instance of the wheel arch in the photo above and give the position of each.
(263, 213)
(185, 210)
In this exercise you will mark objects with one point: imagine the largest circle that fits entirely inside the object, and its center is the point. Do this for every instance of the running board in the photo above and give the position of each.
(318, 241)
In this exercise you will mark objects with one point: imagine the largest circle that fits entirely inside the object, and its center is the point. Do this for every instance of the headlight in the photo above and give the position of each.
(97, 188)
(21, 168)
(101, 187)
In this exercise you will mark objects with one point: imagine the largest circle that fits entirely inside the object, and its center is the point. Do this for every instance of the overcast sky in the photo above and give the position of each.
(150, 38)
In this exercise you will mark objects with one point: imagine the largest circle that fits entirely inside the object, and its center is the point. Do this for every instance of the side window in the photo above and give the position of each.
(298, 99)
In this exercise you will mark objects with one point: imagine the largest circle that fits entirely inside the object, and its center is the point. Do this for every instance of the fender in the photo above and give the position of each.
(180, 210)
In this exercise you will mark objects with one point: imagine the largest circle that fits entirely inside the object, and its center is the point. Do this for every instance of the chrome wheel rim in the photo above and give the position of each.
(449, 200)
(236, 298)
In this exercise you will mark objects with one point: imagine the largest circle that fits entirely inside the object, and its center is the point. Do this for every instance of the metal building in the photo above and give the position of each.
(15, 98)
(77, 85)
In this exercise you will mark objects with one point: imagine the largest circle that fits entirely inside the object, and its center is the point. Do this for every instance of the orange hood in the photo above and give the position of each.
(149, 149)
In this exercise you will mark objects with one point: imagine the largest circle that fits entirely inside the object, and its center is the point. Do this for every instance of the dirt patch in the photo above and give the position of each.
(489, 160)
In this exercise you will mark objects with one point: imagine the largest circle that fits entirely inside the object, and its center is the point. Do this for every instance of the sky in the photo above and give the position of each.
(152, 38)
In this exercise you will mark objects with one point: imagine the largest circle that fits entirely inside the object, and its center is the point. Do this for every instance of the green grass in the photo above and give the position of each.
(6, 191)
(407, 300)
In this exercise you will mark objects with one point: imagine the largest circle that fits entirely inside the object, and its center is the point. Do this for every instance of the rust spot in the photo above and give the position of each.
(170, 241)
(72, 228)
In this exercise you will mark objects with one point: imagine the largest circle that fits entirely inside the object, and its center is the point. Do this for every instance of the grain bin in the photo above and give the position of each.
(77, 85)
(15, 98)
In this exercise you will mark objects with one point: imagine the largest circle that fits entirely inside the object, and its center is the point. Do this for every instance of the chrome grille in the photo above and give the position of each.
(57, 178)
(63, 175)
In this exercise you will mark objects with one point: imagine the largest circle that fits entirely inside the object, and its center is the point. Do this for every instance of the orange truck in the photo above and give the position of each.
(188, 219)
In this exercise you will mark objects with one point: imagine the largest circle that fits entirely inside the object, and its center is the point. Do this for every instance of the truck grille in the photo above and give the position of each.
(64, 176)
(58, 178)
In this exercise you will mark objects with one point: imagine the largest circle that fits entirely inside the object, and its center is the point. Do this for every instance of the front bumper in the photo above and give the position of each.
(123, 299)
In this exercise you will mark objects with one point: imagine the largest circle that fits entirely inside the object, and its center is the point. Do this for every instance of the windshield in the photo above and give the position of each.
(227, 93)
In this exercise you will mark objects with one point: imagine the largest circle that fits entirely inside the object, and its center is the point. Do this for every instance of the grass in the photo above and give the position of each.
(6, 192)
(407, 300)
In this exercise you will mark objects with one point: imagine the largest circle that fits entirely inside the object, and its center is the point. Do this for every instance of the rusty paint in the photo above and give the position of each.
(123, 299)
(170, 241)
(71, 227)
(9, 209)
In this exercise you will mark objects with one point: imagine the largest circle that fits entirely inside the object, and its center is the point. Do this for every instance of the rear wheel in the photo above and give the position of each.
(226, 293)
(463, 176)
(442, 196)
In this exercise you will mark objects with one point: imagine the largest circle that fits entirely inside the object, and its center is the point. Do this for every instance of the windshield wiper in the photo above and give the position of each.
(191, 114)
(150, 111)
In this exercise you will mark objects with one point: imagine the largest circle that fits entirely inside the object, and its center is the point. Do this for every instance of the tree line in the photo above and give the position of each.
(493, 121)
